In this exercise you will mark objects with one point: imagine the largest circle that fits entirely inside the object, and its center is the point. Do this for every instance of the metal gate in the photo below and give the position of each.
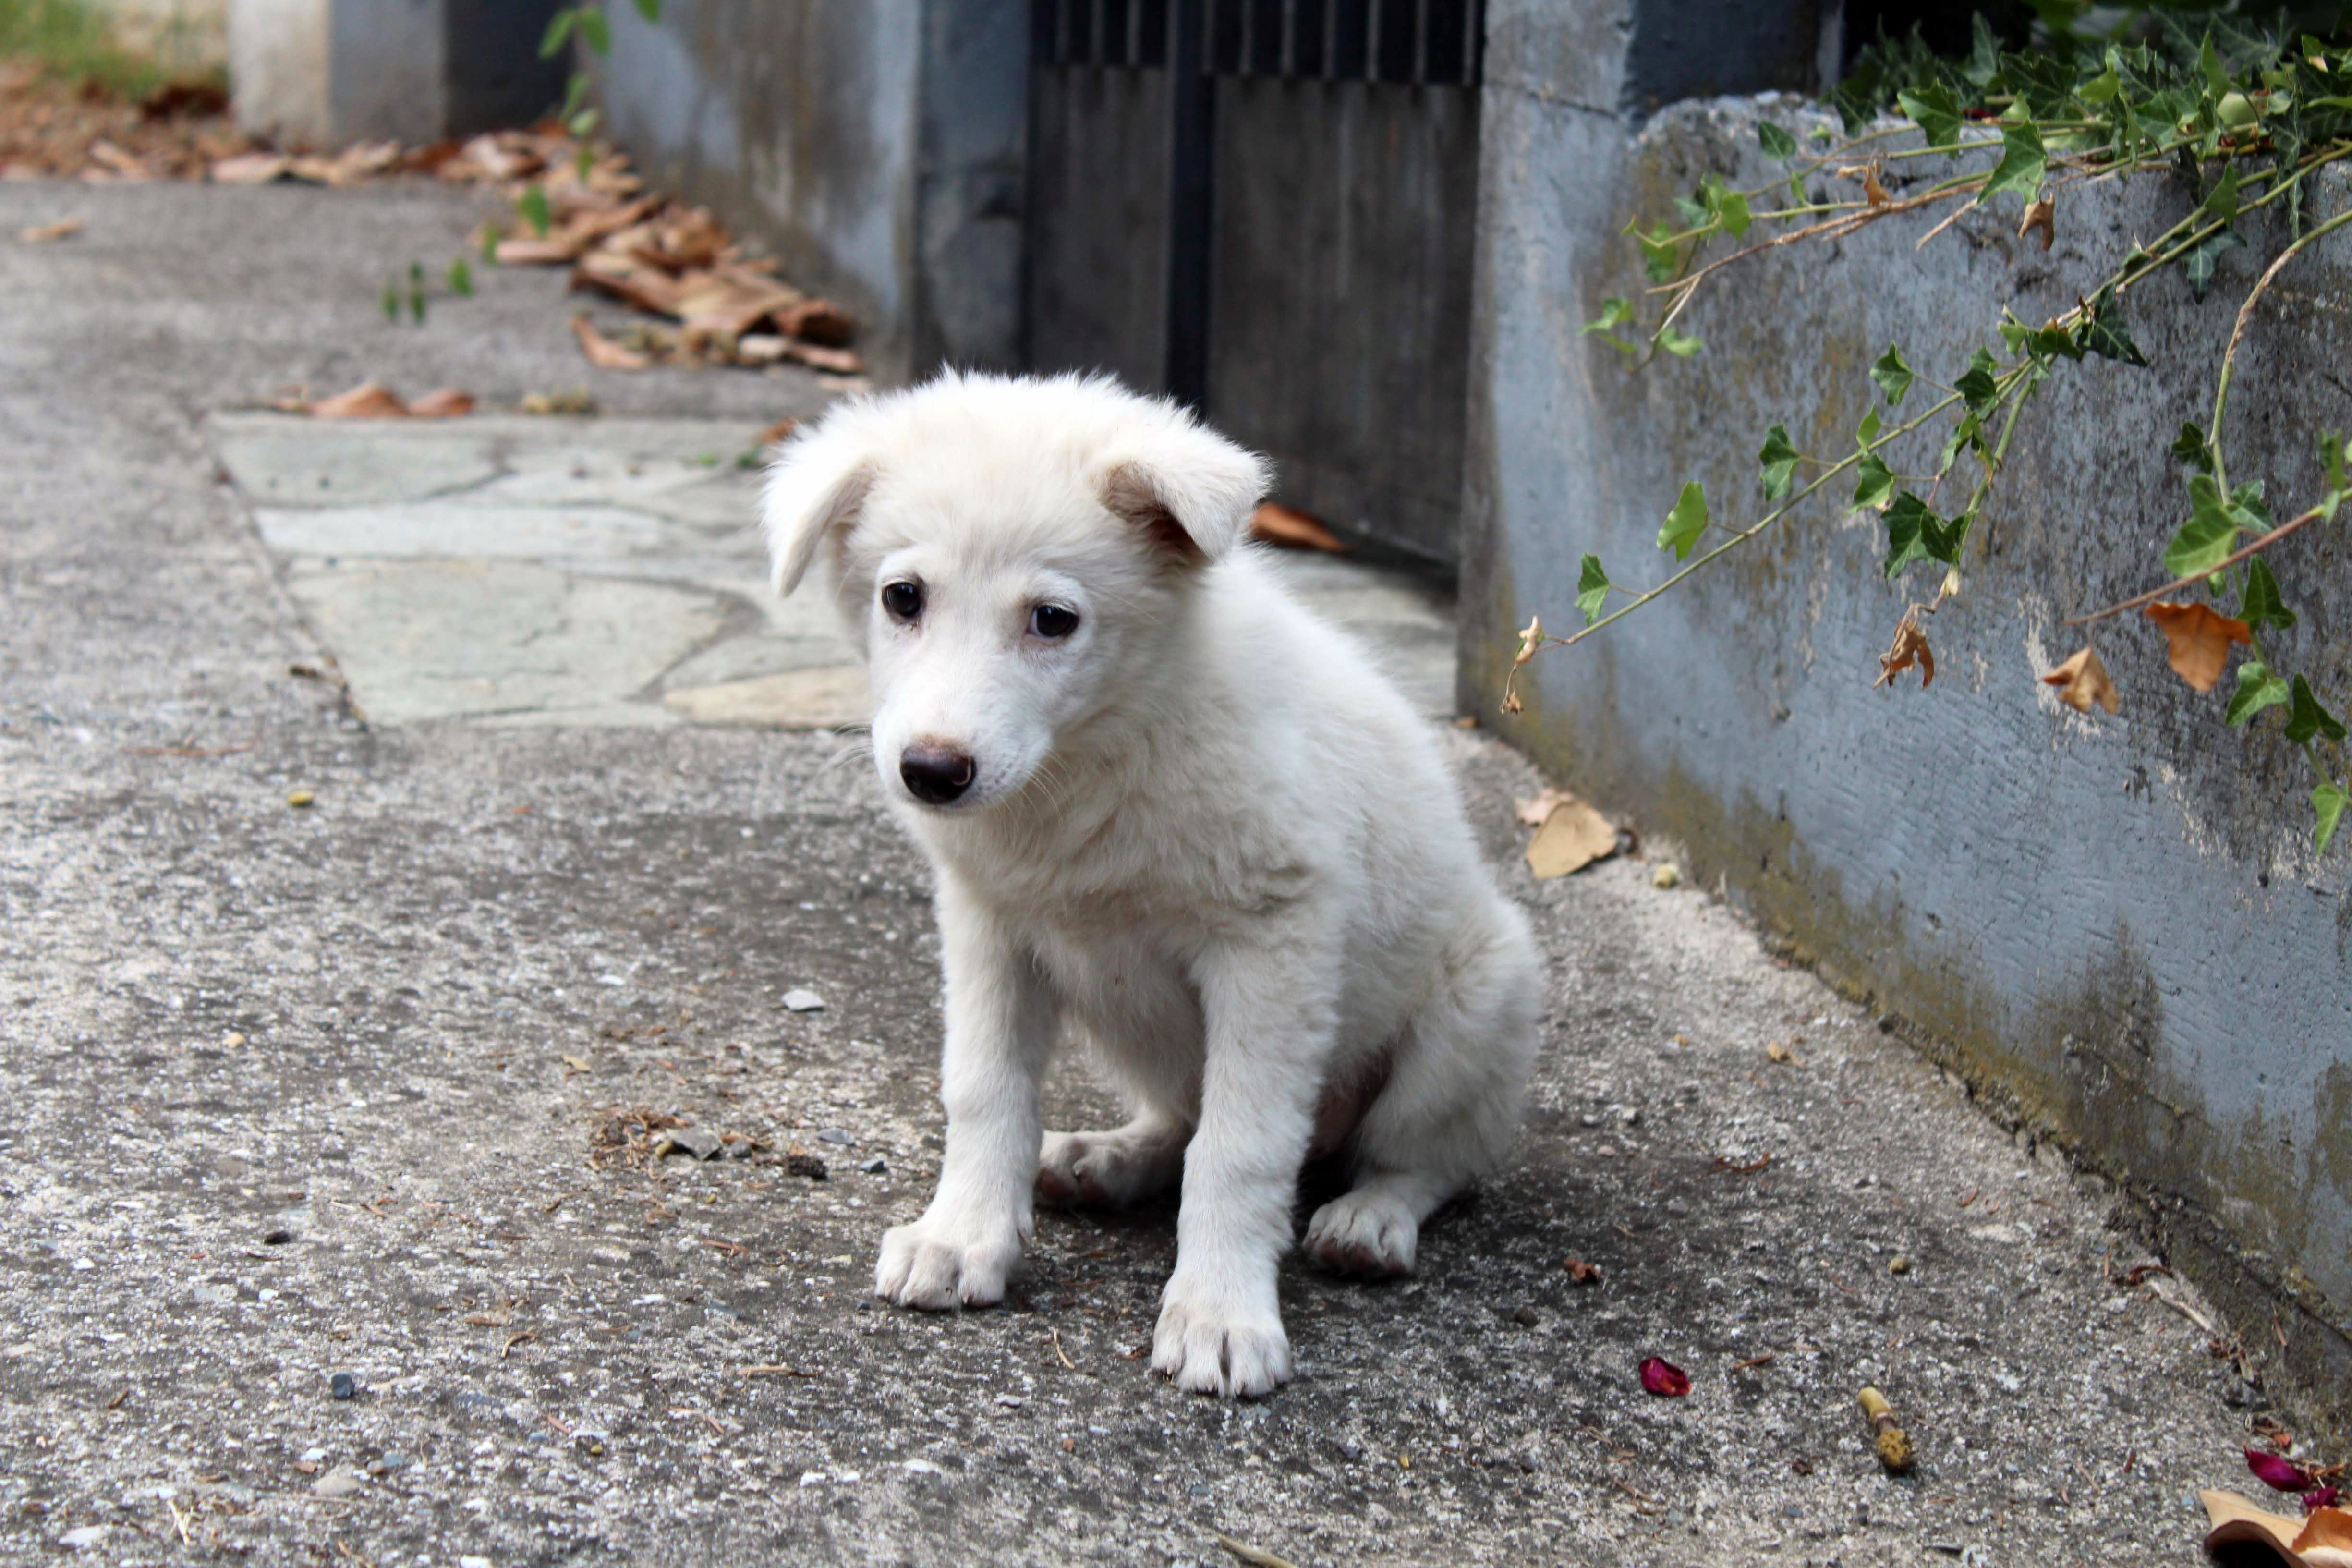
(1266, 208)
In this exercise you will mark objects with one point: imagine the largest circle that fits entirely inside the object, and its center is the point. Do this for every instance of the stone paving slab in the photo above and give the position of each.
(513, 570)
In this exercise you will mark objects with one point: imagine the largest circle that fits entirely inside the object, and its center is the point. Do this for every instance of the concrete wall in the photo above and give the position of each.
(2114, 926)
(326, 72)
(876, 144)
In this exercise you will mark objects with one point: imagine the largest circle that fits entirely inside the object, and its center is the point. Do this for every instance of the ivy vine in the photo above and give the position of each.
(2247, 114)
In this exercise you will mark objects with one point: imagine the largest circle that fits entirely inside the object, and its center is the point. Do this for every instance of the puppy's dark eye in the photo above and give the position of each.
(1056, 621)
(904, 601)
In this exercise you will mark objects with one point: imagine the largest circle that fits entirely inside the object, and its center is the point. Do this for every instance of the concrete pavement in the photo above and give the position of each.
(370, 1089)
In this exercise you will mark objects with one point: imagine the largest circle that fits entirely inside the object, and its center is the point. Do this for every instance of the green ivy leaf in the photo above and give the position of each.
(2221, 201)
(2204, 256)
(1978, 386)
(2212, 532)
(560, 29)
(1658, 253)
(2104, 334)
(2217, 80)
(1893, 375)
(2192, 449)
(1874, 482)
(2327, 805)
(1677, 342)
(593, 31)
(1776, 143)
(533, 207)
(1936, 112)
(391, 302)
(2307, 720)
(491, 234)
(1779, 460)
(1686, 522)
(1731, 211)
(1867, 431)
(649, 9)
(1914, 532)
(1591, 589)
(2257, 689)
(2102, 88)
(1615, 313)
(2259, 603)
(461, 278)
(2022, 161)
(575, 95)
(1968, 432)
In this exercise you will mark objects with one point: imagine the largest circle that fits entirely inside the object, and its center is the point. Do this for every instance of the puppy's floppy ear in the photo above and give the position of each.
(815, 486)
(1189, 490)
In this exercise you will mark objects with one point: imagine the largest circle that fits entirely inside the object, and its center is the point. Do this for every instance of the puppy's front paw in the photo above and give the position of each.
(1213, 1342)
(938, 1265)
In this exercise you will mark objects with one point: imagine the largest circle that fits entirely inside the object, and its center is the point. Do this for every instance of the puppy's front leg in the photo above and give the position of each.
(1001, 1016)
(1270, 1007)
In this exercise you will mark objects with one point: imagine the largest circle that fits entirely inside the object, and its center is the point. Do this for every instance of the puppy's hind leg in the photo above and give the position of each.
(1114, 1168)
(1449, 1109)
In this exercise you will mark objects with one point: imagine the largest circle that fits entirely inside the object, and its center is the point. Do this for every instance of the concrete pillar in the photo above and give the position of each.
(331, 71)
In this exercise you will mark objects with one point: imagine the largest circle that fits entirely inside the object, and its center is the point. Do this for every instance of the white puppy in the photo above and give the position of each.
(1172, 814)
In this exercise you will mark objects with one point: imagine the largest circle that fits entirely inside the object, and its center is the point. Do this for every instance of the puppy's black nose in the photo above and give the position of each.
(934, 773)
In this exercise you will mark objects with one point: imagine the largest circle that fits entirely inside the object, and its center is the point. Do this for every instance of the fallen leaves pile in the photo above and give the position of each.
(54, 130)
(585, 209)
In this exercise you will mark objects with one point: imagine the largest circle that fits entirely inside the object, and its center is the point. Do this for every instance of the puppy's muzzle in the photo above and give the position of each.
(934, 773)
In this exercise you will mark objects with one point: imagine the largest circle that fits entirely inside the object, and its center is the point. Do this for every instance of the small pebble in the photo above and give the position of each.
(1667, 875)
(299, 798)
(1898, 1265)
(877, 1166)
(801, 1001)
(1526, 1317)
(343, 1385)
(278, 1239)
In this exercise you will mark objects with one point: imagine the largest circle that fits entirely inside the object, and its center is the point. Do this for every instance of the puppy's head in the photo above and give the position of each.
(1008, 553)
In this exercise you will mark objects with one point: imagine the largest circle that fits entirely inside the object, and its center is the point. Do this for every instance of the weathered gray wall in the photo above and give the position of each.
(2116, 925)
(327, 72)
(876, 144)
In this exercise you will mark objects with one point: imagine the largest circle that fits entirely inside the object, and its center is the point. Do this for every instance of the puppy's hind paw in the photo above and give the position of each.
(1366, 1232)
(938, 1266)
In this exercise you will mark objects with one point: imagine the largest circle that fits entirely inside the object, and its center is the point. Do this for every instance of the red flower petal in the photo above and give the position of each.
(1664, 1377)
(2277, 1471)
(2319, 1497)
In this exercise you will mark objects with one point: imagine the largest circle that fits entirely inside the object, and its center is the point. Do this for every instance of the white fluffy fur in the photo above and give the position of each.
(1205, 836)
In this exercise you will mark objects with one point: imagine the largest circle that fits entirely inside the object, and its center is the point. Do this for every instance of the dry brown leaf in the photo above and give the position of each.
(1573, 837)
(781, 430)
(2083, 680)
(1910, 648)
(1275, 524)
(49, 233)
(817, 322)
(368, 400)
(251, 169)
(443, 403)
(732, 301)
(1782, 1052)
(839, 362)
(2199, 638)
(640, 283)
(1536, 809)
(1872, 188)
(603, 352)
(2323, 1541)
(2042, 219)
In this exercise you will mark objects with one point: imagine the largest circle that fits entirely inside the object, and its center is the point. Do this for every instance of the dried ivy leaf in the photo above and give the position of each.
(1909, 650)
(1778, 460)
(2197, 640)
(2041, 220)
(2083, 680)
(1685, 523)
